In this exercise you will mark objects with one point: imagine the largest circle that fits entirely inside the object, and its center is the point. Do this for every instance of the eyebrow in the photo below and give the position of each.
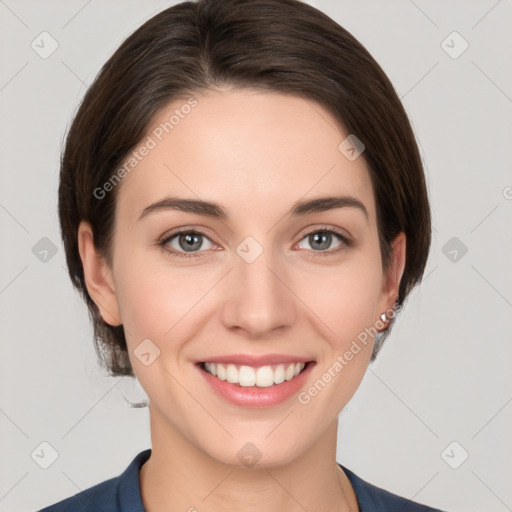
(214, 210)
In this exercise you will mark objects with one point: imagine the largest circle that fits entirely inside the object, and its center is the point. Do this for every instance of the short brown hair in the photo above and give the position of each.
(284, 46)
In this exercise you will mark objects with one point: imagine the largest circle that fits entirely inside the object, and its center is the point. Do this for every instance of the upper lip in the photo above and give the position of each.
(253, 360)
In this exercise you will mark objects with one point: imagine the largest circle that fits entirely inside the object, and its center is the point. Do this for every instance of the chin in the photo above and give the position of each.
(255, 453)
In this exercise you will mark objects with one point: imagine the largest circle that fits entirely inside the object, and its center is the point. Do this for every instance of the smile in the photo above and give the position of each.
(248, 376)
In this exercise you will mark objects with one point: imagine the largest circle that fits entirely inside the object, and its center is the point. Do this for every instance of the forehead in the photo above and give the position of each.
(253, 151)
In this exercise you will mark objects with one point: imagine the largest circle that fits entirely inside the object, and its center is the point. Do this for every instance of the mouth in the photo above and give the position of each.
(255, 376)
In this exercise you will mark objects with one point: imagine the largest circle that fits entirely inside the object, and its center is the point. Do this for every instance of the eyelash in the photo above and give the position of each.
(346, 242)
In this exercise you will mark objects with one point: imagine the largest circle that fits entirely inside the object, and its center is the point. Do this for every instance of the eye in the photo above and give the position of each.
(185, 243)
(188, 242)
(321, 239)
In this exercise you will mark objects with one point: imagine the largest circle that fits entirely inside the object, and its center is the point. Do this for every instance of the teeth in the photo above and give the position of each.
(247, 376)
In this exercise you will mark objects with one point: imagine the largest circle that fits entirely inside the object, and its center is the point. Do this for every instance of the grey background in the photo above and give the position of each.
(443, 375)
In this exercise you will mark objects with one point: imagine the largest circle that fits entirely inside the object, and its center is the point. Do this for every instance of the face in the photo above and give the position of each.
(258, 288)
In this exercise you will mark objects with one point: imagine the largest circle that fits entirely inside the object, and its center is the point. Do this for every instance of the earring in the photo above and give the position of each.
(384, 319)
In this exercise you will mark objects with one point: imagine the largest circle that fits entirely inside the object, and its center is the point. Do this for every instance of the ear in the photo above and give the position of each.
(98, 276)
(393, 276)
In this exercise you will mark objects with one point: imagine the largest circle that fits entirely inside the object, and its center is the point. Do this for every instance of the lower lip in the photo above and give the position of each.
(254, 396)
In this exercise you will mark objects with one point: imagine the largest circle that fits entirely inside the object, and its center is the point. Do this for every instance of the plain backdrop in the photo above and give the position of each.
(431, 420)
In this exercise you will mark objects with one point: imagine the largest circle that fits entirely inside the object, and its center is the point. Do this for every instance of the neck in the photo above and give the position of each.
(180, 477)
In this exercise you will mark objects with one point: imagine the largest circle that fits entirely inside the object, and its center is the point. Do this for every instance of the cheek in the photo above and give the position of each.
(155, 305)
(345, 296)
(156, 298)
(151, 303)
(346, 301)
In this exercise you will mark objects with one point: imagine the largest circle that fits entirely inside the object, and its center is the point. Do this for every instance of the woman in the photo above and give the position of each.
(243, 207)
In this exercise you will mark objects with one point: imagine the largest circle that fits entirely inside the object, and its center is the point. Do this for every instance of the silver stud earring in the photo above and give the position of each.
(383, 317)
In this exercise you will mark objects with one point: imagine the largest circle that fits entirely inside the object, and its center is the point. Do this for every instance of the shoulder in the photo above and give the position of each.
(101, 496)
(118, 494)
(375, 499)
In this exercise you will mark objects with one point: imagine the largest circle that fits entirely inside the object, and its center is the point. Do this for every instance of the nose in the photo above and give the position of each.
(259, 298)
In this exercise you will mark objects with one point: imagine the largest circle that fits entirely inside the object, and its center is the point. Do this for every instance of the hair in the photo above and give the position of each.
(283, 46)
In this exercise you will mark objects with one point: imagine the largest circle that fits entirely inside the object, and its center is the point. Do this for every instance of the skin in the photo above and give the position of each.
(255, 153)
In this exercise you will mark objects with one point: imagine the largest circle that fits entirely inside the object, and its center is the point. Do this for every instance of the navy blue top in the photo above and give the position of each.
(122, 494)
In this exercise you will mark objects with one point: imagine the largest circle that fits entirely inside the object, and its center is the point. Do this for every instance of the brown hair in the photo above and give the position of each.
(284, 46)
